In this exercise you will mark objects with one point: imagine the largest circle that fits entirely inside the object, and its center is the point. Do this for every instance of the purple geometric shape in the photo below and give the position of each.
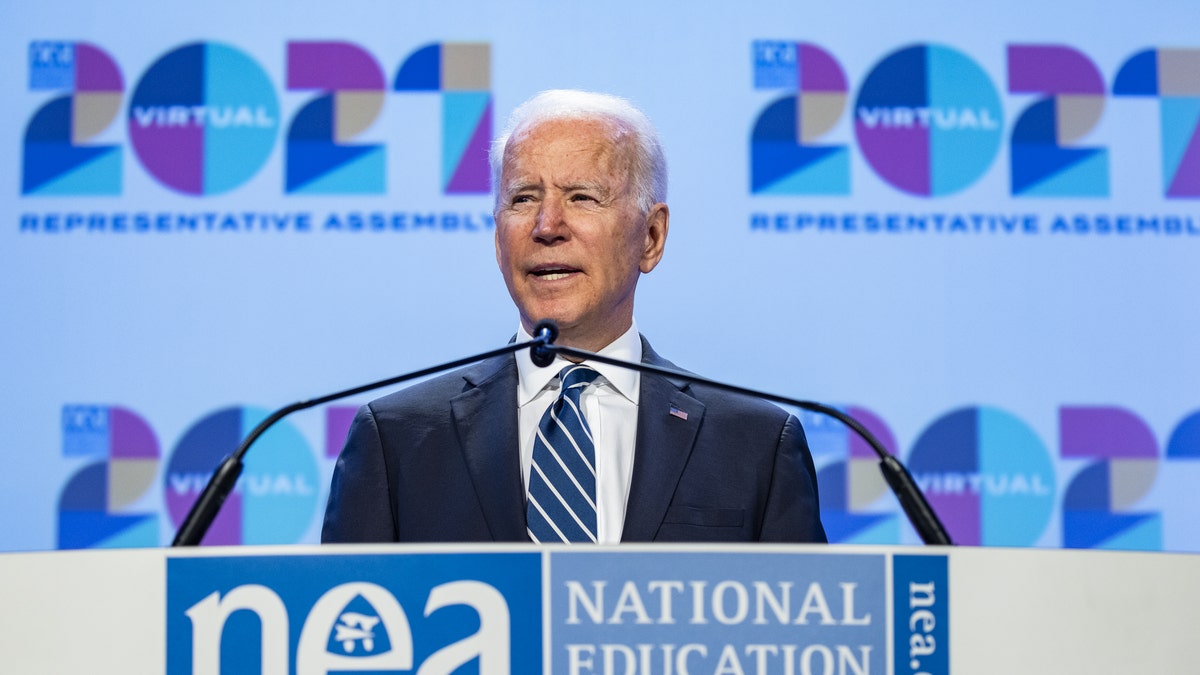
(901, 155)
(1104, 432)
(819, 71)
(859, 449)
(174, 155)
(472, 175)
(95, 71)
(129, 436)
(962, 516)
(226, 528)
(1049, 69)
(191, 465)
(332, 66)
(337, 427)
(1186, 181)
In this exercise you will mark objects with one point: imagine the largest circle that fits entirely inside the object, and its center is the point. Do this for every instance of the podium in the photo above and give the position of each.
(631, 609)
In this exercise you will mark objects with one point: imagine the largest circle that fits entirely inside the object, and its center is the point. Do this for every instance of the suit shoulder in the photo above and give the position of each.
(717, 401)
(740, 405)
(441, 388)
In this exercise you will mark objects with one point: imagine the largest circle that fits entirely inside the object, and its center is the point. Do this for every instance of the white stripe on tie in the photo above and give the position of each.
(562, 501)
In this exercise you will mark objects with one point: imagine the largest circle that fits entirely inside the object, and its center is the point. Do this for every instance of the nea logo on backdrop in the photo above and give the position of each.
(929, 120)
(203, 118)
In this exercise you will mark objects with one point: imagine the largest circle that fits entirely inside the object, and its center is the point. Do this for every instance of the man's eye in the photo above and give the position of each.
(582, 198)
(521, 199)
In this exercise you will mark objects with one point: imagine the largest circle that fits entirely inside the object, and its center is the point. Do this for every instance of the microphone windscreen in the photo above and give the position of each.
(546, 332)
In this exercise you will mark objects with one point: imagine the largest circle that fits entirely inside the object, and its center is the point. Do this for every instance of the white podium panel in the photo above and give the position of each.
(629, 609)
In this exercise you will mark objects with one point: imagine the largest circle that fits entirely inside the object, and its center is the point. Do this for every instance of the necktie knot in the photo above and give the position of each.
(575, 378)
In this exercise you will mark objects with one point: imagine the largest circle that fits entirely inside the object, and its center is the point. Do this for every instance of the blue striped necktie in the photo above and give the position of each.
(562, 479)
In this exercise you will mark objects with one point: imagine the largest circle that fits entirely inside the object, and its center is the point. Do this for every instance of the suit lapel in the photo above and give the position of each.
(668, 421)
(485, 416)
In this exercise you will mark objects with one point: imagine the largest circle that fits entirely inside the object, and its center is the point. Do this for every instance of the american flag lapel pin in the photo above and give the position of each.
(676, 412)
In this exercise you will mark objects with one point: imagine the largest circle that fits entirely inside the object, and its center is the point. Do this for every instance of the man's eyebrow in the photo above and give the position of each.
(583, 185)
(522, 186)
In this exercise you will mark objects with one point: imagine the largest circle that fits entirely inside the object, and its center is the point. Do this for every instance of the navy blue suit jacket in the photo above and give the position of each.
(438, 462)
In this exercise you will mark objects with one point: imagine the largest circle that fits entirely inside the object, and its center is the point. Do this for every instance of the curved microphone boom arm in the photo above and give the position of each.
(922, 516)
(205, 510)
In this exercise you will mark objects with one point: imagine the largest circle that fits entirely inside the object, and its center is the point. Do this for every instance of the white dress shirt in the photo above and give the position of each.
(610, 404)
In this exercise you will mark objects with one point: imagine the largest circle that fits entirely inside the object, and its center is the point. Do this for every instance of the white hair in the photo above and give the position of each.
(649, 173)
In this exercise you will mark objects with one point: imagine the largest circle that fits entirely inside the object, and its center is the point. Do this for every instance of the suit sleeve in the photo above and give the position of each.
(360, 505)
(793, 512)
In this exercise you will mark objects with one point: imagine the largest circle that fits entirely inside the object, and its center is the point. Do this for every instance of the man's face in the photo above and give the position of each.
(570, 238)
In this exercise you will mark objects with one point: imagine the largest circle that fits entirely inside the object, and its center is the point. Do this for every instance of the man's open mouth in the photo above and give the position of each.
(552, 273)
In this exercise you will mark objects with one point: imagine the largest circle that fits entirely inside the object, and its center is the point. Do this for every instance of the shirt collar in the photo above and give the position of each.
(532, 379)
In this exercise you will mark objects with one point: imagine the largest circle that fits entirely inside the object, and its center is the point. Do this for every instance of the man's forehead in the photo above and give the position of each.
(593, 126)
(569, 134)
(582, 145)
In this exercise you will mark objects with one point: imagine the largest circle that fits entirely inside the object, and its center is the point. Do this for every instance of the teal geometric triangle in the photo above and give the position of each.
(138, 535)
(1146, 535)
(101, 175)
(1072, 173)
(364, 174)
(88, 529)
(827, 174)
(885, 531)
(842, 526)
(1093, 529)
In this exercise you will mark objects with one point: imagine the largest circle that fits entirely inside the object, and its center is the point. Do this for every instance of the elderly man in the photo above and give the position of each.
(507, 451)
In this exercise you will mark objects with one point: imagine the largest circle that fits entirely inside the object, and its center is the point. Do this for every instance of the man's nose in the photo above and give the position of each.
(551, 225)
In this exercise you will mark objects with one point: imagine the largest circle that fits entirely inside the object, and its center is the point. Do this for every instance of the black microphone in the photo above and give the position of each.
(205, 510)
(922, 516)
(544, 334)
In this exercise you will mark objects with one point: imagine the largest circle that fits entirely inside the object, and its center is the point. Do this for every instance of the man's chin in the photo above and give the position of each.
(566, 324)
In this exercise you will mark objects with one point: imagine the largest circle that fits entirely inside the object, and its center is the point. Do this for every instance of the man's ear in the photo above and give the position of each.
(658, 221)
(496, 235)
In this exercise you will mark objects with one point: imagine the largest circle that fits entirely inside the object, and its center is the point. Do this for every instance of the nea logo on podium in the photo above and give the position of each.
(421, 613)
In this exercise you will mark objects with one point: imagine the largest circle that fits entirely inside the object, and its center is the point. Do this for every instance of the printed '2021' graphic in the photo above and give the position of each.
(203, 118)
(1042, 162)
(320, 159)
(98, 506)
(1098, 504)
(462, 72)
(987, 475)
(928, 119)
(276, 496)
(57, 159)
(784, 155)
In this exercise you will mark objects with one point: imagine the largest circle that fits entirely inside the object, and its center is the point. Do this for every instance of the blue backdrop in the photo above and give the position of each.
(974, 226)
